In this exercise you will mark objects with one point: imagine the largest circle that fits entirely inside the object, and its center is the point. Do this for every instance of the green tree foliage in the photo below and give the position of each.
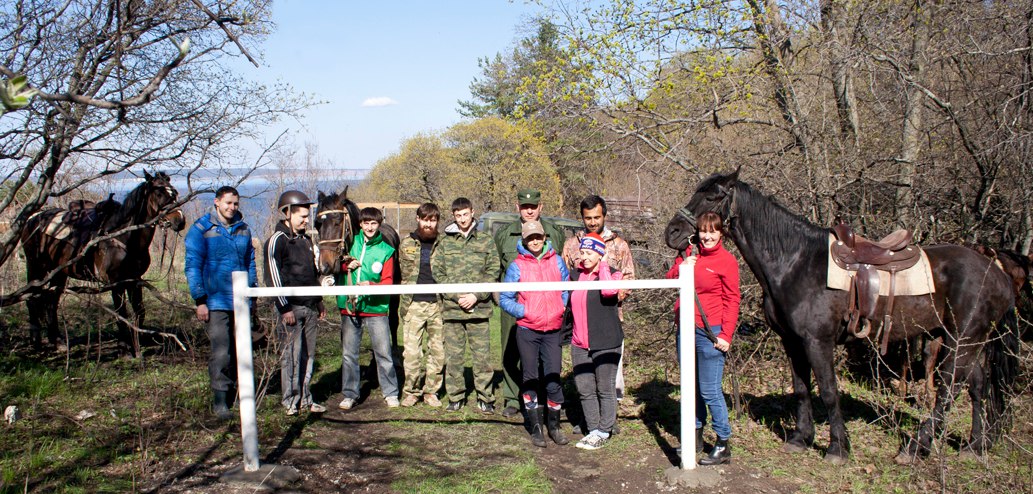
(486, 160)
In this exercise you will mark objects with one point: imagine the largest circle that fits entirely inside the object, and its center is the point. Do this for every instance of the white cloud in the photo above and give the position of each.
(378, 102)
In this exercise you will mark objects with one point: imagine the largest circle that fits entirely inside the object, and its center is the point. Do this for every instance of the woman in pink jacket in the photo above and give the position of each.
(539, 318)
(595, 346)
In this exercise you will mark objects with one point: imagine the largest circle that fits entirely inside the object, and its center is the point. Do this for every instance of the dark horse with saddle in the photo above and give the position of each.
(970, 308)
(107, 243)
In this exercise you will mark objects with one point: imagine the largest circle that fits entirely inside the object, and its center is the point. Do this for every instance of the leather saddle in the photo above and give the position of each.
(865, 257)
(86, 218)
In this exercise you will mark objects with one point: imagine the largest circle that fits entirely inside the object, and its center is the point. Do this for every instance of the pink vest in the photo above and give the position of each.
(543, 311)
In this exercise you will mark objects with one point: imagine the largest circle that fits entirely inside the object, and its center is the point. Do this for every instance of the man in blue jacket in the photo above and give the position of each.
(218, 244)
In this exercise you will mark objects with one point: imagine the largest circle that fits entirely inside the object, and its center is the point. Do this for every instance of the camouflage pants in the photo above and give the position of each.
(423, 319)
(459, 333)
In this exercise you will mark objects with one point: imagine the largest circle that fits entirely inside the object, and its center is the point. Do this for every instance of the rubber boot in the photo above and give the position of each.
(535, 418)
(720, 455)
(553, 424)
(699, 441)
(219, 405)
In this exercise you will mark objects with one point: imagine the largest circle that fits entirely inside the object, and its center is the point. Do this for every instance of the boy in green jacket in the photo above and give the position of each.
(370, 265)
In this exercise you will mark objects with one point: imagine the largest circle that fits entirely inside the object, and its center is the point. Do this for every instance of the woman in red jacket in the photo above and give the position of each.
(717, 285)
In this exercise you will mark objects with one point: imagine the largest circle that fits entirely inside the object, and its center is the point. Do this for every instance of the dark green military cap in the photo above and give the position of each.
(529, 196)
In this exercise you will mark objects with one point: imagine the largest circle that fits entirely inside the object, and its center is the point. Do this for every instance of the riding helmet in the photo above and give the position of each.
(293, 198)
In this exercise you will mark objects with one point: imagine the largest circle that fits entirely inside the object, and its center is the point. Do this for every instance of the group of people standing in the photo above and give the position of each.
(438, 328)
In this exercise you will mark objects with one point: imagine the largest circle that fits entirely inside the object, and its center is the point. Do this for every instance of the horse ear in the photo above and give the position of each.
(147, 175)
(734, 176)
(344, 193)
(320, 196)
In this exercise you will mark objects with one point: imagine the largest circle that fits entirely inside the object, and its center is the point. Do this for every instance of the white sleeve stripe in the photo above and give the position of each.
(274, 270)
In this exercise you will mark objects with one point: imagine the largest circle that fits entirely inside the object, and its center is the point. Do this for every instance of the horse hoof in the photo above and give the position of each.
(904, 458)
(793, 448)
(968, 453)
(836, 459)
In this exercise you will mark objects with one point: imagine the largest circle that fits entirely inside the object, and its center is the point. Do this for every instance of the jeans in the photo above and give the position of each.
(710, 368)
(545, 345)
(380, 339)
(297, 357)
(595, 374)
(222, 361)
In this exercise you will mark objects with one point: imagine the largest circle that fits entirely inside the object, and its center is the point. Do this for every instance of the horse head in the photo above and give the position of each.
(161, 199)
(336, 221)
(715, 193)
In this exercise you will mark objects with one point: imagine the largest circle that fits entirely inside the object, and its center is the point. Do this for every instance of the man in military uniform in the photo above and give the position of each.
(529, 205)
(466, 256)
(421, 313)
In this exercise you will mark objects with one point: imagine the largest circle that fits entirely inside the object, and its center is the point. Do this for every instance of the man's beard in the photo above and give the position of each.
(427, 234)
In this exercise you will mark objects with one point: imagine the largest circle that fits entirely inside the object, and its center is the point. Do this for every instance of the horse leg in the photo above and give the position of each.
(821, 357)
(947, 391)
(36, 308)
(135, 292)
(979, 441)
(802, 438)
(51, 300)
(932, 354)
(118, 299)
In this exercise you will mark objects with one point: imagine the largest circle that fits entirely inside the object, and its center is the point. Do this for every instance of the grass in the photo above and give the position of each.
(151, 420)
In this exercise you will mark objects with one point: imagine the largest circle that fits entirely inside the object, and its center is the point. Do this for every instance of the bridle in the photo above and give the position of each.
(327, 244)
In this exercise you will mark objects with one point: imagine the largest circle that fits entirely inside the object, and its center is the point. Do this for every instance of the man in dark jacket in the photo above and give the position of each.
(218, 244)
(290, 261)
(529, 205)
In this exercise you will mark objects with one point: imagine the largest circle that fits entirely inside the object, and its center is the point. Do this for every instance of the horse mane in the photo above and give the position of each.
(773, 227)
(123, 213)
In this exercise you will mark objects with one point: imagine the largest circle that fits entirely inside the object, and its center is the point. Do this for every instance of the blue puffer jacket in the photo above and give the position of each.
(213, 252)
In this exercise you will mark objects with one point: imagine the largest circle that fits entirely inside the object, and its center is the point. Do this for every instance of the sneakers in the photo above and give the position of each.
(392, 402)
(292, 411)
(431, 400)
(454, 406)
(410, 400)
(485, 407)
(347, 404)
(316, 408)
(510, 412)
(591, 441)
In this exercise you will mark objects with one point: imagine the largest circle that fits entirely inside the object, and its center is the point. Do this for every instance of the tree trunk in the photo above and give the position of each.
(833, 22)
(911, 133)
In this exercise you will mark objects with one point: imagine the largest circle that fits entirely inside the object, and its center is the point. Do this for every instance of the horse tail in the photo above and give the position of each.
(1002, 360)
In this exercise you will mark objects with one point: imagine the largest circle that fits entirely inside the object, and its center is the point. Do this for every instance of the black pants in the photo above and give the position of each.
(545, 345)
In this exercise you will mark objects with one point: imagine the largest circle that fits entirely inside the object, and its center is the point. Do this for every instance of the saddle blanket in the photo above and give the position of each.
(916, 280)
(58, 228)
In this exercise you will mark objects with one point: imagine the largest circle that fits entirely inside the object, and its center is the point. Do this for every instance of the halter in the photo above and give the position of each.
(345, 229)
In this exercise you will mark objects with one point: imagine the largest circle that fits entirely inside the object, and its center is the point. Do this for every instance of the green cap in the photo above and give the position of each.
(529, 196)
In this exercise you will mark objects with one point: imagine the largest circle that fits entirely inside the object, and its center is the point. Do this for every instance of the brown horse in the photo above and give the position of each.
(789, 257)
(110, 247)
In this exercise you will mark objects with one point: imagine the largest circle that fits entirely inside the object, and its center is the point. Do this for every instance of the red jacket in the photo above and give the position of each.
(539, 311)
(717, 284)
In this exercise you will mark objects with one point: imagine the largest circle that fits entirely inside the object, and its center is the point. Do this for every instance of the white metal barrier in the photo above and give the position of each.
(245, 363)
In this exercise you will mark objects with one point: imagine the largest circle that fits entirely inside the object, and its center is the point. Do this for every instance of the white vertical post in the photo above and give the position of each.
(687, 363)
(245, 370)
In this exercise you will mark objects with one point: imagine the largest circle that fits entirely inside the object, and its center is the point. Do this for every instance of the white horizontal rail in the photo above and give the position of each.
(538, 286)
(245, 367)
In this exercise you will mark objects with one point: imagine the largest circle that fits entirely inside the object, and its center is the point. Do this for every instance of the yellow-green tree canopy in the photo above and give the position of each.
(486, 160)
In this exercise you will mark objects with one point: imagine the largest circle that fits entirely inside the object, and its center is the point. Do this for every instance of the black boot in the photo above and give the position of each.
(555, 432)
(535, 418)
(219, 405)
(699, 441)
(721, 454)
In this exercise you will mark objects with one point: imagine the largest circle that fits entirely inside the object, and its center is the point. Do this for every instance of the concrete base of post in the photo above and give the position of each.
(268, 478)
(695, 478)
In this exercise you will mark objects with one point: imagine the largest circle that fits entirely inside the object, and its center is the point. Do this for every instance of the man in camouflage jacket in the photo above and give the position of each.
(421, 313)
(466, 256)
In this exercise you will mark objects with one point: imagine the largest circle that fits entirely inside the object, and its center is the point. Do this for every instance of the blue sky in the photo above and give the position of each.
(388, 70)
